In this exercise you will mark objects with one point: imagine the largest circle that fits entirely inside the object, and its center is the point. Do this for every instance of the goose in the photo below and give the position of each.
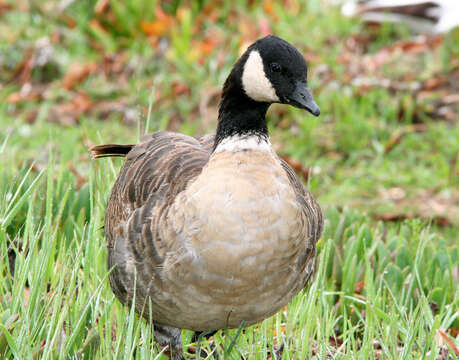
(421, 16)
(217, 231)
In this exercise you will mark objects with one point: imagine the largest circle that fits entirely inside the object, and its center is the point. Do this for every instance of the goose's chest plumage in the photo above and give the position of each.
(239, 206)
(241, 232)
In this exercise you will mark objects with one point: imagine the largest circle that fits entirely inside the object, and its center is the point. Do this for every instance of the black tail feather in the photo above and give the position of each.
(109, 150)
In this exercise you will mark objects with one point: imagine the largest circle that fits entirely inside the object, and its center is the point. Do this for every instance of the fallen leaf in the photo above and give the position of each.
(207, 45)
(397, 137)
(451, 99)
(27, 93)
(32, 116)
(389, 217)
(268, 7)
(442, 337)
(5, 7)
(281, 329)
(102, 110)
(335, 342)
(115, 64)
(179, 88)
(68, 20)
(76, 73)
(434, 306)
(359, 286)
(101, 6)
(24, 69)
(434, 83)
(292, 6)
(297, 166)
(68, 113)
(159, 26)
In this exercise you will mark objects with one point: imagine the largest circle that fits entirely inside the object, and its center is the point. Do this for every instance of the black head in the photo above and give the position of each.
(270, 71)
(274, 71)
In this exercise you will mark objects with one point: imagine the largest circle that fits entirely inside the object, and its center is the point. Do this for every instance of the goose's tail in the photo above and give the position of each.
(109, 150)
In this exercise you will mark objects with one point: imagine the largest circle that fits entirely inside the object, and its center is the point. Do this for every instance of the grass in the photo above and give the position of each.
(382, 289)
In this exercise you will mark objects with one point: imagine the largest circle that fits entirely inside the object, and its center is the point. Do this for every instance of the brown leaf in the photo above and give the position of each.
(102, 110)
(68, 20)
(434, 83)
(24, 69)
(207, 45)
(335, 342)
(434, 306)
(359, 286)
(32, 116)
(155, 28)
(159, 26)
(68, 113)
(297, 166)
(372, 62)
(4, 7)
(451, 99)
(440, 208)
(282, 331)
(397, 137)
(179, 88)
(389, 217)
(443, 337)
(55, 37)
(115, 64)
(101, 6)
(292, 6)
(76, 73)
(27, 93)
(14, 98)
(268, 7)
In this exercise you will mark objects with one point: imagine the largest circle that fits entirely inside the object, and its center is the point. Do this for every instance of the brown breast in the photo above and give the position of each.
(242, 236)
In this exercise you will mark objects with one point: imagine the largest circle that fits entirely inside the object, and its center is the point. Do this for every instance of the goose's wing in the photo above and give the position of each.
(309, 205)
(313, 217)
(154, 173)
(207, 141)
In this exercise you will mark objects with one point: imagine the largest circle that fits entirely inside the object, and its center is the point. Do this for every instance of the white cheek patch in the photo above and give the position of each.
(254, 81)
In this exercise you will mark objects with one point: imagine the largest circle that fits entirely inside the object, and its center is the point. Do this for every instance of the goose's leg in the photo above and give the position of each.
(203, 334)
(278, 351)
(198, 336)
(172, 337)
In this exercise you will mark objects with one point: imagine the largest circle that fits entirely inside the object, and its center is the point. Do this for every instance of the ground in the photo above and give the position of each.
(381, 160)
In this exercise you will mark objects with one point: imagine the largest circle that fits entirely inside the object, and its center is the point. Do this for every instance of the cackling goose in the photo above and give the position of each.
(208, 233)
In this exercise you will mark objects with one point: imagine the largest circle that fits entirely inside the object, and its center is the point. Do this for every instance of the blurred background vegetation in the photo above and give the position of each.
(382, 160)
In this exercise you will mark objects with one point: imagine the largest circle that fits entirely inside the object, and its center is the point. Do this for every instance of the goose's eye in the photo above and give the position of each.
(275, 67)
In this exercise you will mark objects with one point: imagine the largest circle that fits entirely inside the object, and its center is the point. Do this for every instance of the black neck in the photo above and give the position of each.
(238, 114)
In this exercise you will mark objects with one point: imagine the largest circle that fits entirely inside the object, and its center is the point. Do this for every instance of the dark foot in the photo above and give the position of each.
(278, 351)
(197, 338)
(203, 334)
(194, 349)
(172, 338)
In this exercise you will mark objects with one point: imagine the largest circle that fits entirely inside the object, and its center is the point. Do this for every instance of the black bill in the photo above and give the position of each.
(302, 98)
